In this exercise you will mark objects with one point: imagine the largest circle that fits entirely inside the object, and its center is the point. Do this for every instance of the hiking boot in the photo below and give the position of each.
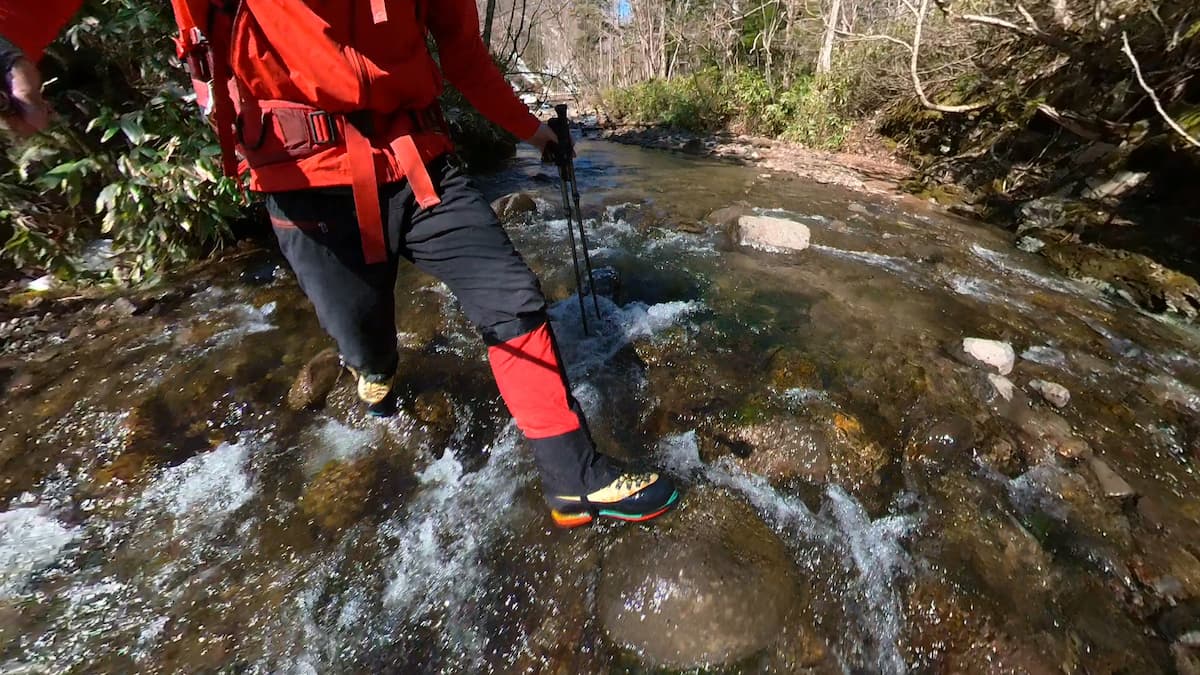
(633, 497)
(377, 392)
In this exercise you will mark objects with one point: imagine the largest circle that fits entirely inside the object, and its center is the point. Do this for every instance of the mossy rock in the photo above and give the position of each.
(1145, 282)
(315, 380)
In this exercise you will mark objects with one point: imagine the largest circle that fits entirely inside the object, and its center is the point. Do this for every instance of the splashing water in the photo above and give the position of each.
(30, 539)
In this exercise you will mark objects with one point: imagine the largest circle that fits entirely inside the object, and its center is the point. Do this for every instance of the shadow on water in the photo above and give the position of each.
(166, 511)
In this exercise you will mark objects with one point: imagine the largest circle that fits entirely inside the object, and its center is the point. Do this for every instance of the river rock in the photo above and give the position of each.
(773, 234)
(779, 450)
(708, 585)
(694, 146)
(728, 216)
(1003, 386)
(315, 380)
(790, 368)
(515, 206)
(1110, 481)
(340, 493)
(993, 353)
(1054, 393)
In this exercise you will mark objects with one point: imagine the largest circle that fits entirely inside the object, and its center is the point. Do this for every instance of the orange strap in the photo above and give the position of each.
(366, 194)
(187, 27)
(409, 159)
(378, 11)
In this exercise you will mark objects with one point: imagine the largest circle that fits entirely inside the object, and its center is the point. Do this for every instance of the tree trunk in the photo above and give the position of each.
(825, 58)
(489, 16)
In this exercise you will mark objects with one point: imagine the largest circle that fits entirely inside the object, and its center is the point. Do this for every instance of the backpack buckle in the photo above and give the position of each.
(322, 128)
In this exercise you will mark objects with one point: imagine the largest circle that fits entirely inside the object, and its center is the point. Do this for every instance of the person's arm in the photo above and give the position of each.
(25, 30)
(454, 25)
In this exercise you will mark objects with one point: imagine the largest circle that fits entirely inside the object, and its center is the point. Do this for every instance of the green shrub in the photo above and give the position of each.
(131, 159)
(809, 111)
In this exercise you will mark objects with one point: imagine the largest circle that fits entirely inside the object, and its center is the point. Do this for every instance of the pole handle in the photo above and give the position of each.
(564, 149)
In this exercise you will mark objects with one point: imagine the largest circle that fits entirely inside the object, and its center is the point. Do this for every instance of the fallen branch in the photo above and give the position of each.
(1137, 70)
(916, 78)
(1069, 124)
(1034, 33)
(859, 37)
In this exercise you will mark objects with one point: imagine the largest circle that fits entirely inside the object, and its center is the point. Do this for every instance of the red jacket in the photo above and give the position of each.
(290, 58)
(332, 55)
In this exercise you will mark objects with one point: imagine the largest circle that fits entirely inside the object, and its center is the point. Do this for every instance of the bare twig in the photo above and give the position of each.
(1033, 24)
(1137, 70)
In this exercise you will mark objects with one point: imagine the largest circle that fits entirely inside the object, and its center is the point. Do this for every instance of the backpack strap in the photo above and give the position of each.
(207, 57)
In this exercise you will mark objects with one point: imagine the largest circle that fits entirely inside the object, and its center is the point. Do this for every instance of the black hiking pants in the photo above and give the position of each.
(460, 242)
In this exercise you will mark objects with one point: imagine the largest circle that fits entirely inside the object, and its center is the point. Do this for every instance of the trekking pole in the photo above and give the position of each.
(566, 173)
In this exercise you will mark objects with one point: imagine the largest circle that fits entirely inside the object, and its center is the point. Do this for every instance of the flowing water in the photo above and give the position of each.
(165, 511)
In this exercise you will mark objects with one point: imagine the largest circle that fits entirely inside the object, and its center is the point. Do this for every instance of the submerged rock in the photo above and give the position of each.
(728, 216)
(710, 584)
(340, 493)
(315, 380)
(998, 355)
(778, 450)
(514, 206)
(773, 234)
(1054, 393)
(1110, 482)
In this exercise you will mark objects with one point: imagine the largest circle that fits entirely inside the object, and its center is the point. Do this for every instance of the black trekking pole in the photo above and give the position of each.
(564, 157)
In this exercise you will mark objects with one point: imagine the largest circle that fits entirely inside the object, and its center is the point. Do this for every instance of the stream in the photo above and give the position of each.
(860, 496)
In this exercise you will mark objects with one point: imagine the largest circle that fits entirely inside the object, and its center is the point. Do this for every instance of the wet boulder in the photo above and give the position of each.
(515, 206)
(727, 218)
(340, 493)
(710, 584)
(776, 235)
(780, 450)
(315, 380)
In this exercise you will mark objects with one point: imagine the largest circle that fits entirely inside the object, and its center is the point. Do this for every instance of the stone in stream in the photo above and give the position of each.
(772, 234)
(993, 353)
(1003, 386)
(1054, 393)
(728, 217)
(1110, 481)
(778, 450)
(315, 380)
(514, 206)
(710, 584)
(340, 493)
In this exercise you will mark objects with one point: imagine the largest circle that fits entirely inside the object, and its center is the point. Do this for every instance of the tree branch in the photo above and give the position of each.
(857, 37)
(1036, 34)
(916, 78)
(1137, 70)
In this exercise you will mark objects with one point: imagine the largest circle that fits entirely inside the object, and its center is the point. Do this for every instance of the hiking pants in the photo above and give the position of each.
(461, 243)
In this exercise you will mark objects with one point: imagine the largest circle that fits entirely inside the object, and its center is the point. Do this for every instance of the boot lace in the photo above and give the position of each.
(628, 481)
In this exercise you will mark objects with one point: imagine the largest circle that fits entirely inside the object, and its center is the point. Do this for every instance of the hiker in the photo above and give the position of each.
(332, 107)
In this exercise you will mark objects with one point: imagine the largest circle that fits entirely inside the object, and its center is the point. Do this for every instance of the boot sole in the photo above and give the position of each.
(570, 520)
